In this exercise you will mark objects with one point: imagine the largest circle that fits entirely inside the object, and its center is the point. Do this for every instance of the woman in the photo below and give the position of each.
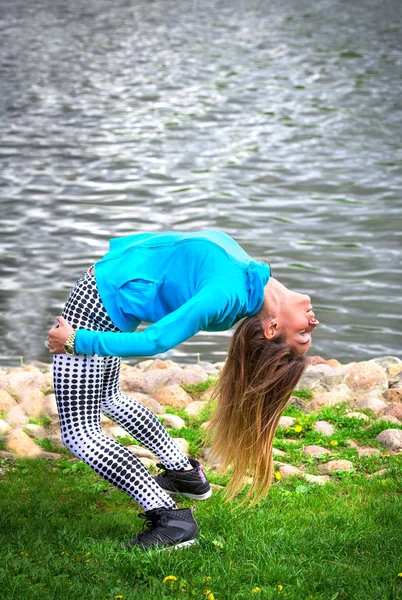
(182, 283)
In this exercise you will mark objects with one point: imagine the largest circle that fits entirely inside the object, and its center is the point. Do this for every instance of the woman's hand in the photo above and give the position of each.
(58, 335)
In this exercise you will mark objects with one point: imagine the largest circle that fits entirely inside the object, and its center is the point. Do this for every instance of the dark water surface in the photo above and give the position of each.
(278, 122)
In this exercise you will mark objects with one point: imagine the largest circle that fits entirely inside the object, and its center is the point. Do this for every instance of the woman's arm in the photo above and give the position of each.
(196, 314)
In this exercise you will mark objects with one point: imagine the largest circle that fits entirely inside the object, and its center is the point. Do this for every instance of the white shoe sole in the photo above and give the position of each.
(205, 496)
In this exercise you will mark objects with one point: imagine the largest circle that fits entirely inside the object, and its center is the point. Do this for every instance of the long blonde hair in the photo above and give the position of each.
(254, 387)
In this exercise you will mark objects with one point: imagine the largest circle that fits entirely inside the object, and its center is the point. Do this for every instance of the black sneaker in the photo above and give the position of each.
(192, 484)
(166, 528)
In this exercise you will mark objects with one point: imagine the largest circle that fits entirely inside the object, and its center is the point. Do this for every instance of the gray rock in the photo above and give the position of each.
(117, 431)
(295, 401)
(394, 410)
(393, 395)
(194, 408)
(172, 421)
(366, 376)
(56, 440)
(191, 375)
(36, 431)
(4, 427)
(336, 465)
(289, 471)
(153, 405)
(17, 416)
(389, 419)
(374, 404)
(357, 415)
(309, 381)
(50, 406)
(368, 452)
(6, 401)
(182, 444)
(285, 422)
(142, 452)
(378, 473)
(209, 368)
(318, 479)
(206, 455)
(276, 452)
(315, 451)
(147, 462)
(385, 361)
(324, 397)
(391, 438)
(324, 428)
(173, 395)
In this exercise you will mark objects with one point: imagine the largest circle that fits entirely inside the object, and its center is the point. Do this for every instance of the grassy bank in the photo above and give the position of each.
(60, 525)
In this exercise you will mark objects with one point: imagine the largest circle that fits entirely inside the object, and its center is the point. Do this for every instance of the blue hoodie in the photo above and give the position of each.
(180, 282)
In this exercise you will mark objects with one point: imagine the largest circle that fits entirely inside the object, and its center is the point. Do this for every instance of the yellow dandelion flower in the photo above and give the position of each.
(118, 597)
(399, 574)
(298, 429)
(280, 587)
(278, 476)
(209, 595)
(22, 553)
(256, 590)
(319, 441)
(334, 443)
(169, 578)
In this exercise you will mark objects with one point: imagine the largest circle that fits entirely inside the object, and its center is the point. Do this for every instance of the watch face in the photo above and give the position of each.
(68, 349)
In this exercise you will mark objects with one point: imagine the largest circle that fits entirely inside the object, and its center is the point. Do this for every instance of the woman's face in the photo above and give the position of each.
(297, 321)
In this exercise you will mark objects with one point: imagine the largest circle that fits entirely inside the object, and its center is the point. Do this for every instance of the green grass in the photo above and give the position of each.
(61, 524)
(198, 388)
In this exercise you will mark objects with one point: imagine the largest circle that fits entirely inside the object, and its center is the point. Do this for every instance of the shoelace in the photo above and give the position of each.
(149, 520)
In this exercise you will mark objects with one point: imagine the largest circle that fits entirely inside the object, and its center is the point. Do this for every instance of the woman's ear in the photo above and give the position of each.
(271, 328)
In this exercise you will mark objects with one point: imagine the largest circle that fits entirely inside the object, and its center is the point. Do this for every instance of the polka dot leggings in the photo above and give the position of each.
(85, 387)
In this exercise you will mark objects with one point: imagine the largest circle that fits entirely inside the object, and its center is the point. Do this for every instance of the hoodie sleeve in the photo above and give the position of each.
(209, 304)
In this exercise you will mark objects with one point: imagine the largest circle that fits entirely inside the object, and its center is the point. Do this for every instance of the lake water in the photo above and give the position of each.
(277, 122)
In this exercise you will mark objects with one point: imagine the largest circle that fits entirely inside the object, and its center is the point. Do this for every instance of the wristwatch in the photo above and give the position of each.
(69, 345)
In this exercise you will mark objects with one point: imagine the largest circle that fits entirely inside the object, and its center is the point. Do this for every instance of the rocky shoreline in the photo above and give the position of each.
(372, 391)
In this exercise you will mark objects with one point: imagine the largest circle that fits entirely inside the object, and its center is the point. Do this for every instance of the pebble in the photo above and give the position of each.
(357, 415)
(36, 431)
(319, 479)
(315, 451)
(4, 427)
(285, 422)
(173, 395)
(172, 421)
(6, 401)
(182, 444)
(289, 471)
(142, 452)
(365, 376)
(374, 404)
(153, 405)
(335, 465)
(389, 419)
(391, 438)
(194, 408)
(324, 428)
(393, 395)
(276, 452)
(368, 452)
